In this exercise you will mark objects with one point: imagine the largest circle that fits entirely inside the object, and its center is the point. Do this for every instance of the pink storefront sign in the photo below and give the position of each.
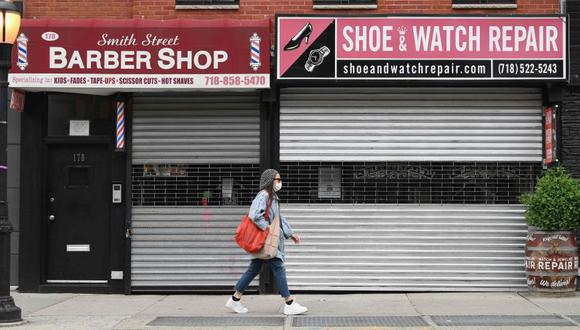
(438, 48)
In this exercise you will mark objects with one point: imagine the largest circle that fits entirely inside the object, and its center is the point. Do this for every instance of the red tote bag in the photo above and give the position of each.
(249, 236)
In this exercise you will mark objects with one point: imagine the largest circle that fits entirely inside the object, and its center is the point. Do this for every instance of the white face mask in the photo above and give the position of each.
(277, 185)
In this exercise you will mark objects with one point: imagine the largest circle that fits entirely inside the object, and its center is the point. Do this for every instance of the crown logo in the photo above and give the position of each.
(402, 30)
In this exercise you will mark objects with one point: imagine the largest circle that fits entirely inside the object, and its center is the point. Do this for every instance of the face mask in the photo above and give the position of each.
(277, 185)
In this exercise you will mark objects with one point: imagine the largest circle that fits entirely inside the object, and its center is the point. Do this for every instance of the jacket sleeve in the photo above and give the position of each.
(258, 210)
(286, 229)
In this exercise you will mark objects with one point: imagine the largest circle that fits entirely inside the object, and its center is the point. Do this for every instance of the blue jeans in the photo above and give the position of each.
(278, 269)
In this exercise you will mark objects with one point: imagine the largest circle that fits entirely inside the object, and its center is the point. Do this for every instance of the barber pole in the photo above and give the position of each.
(255, 51)
(120, 125)
(22, 51)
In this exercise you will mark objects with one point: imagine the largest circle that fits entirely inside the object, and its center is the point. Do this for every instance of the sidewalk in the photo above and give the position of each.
(327, 311)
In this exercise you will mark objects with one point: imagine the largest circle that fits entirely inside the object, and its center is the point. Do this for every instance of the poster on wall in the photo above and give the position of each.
(79, 127)
(164, 170)
(17, 100)
(550, 136)
(329, 179)
(125, 55)
(421, 48)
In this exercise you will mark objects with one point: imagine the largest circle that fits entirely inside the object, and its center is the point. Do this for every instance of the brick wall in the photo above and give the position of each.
(573, 9)
(254, 9)
(570, 148)
(77, 9)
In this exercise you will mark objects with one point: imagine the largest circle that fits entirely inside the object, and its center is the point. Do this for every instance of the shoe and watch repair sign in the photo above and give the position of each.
(422, 48)
(141, 54)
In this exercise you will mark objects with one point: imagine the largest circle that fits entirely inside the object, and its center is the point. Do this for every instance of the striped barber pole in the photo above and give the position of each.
(120, 125)
(22, 51)
(255, 51)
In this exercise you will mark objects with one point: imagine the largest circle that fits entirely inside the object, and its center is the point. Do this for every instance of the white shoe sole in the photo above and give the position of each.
(295, 313)
(231, 308)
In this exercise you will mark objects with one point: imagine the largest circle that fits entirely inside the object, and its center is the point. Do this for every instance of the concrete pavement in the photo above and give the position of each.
(327, 311)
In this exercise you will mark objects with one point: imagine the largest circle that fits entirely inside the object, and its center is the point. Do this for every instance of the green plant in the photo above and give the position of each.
(555, 202)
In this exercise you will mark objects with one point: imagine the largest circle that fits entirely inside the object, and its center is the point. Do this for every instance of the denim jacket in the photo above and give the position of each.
(257, 212)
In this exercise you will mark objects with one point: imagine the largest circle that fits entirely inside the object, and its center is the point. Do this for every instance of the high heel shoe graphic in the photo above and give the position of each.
(297, 39)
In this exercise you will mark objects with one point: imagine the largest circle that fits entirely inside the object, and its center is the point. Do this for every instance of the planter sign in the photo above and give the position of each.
(421, 48)
(552, 262)
(140, 54)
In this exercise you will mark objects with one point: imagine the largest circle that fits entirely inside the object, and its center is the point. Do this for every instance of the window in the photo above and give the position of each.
(207, 4)
(199, 185)
(406, 182)
(65, 109)
(346, 4)
(484, 4)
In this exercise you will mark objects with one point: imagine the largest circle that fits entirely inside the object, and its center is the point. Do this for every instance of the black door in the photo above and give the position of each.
(77, 213)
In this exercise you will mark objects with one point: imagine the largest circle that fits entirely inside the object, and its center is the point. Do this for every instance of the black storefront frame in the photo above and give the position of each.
(268, 149)
(33, 259)
(551, 95)
(128, 193)
(552, 90)
(33, 123)
(34, 119)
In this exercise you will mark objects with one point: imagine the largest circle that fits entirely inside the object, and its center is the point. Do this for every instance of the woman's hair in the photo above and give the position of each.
(267, 180)
(270, 189)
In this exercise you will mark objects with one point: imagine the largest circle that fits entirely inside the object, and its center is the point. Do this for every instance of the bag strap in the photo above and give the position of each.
(268, 208)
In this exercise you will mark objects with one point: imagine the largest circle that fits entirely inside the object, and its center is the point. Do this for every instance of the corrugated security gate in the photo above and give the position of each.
(408, 189)
(195, 171)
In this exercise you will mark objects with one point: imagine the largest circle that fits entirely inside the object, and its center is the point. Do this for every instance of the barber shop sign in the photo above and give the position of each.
(125, 54)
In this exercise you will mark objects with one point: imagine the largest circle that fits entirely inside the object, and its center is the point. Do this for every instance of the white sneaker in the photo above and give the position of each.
(294, 308)
(236, 306)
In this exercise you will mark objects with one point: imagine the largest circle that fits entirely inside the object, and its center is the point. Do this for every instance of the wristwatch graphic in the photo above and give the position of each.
(316, 57)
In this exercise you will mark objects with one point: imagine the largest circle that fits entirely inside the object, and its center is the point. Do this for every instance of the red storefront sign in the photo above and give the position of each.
(141, 54)
(548, 136)
(422, 48)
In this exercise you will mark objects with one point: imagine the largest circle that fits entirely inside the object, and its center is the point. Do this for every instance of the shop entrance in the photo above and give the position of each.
(400, 179)
(77, 214)
(195, 169)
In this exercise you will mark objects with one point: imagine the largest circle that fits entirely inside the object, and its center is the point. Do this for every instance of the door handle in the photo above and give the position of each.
(51, 217)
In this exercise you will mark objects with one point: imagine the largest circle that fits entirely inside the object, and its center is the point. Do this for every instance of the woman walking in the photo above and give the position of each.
(267, 201)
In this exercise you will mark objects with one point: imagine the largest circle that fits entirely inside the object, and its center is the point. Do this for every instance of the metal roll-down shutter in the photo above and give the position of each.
(179, 248)
(410, 124)
(189, 128)
(407, 247)
(376, 246)
(178, 244)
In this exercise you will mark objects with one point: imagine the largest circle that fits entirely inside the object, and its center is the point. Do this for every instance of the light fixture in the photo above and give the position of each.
(9, 22)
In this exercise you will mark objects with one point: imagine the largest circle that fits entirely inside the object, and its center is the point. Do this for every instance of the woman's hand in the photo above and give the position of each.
(295, 238)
